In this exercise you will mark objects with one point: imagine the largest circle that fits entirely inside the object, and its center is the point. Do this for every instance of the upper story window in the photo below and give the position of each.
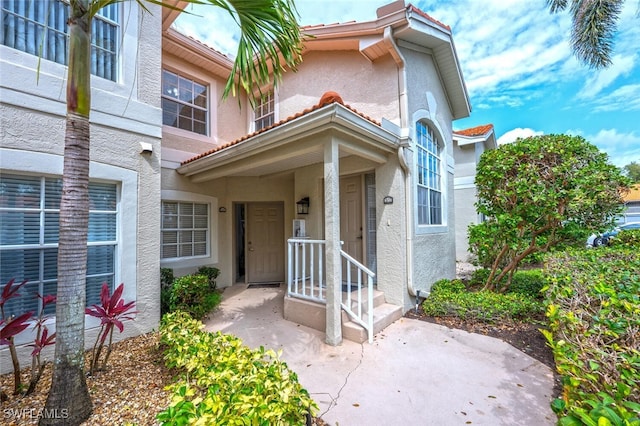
(264, 113)
(185, 229)
(29, 231)
(39, 27)
(429, 176)
(184, 103)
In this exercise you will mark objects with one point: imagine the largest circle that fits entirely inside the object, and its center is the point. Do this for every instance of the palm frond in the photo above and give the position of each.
(594, 25)
(270, 42)
(594, 28)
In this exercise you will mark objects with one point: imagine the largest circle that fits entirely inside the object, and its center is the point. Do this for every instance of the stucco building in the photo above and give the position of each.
(359, 138)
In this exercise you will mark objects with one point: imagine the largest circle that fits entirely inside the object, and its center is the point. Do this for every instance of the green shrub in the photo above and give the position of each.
(225, 382)
(630, 238)
(479, 277)
(529, 283)
(451, 298)
(211, 273)
(166, 284)
(593, 309)
(193, 294)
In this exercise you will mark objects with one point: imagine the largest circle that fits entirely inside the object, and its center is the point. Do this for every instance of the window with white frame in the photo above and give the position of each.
(429, 180)
(29, 228)
(184, 103)
(185, 229)
(264, 112)
(39, 27)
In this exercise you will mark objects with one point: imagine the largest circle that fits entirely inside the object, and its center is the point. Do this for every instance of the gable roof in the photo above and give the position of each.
(481, 130)
(397, 26)
(484, 133)
(295, 142)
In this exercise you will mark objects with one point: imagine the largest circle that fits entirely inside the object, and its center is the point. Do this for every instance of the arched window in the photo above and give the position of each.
(429, 176)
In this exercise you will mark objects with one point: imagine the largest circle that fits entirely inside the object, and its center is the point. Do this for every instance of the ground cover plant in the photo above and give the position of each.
(226, 382)
(593, 308)
(469, 300)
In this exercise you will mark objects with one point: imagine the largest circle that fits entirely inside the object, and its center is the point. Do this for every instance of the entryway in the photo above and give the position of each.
(259, 233)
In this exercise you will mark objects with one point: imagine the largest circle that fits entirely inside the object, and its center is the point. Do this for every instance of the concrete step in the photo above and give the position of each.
(378, 299)
(383, 316)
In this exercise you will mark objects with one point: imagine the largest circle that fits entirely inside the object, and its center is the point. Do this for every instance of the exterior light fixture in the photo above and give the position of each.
(302, 206)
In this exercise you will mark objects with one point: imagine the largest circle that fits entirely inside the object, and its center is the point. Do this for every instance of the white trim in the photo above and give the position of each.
(16, 161)
(276, 115)
(446, 167)
(212, 257)
(464, 182)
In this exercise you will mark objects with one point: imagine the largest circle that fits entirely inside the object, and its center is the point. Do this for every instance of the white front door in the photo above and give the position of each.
(265, 242)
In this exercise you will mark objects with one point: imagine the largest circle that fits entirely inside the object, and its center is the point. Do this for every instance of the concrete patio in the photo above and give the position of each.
(414, 372)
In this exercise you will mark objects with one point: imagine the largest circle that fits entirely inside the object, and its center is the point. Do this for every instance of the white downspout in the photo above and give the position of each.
(406, 168)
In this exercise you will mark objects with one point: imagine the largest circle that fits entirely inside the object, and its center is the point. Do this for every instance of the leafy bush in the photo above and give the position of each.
(479, 277)
(593, 308)
(226, 382)
(193, 294)
(211, 273)
(535, 194)
(630, 238)
(528, 282)
(166, 284)
(451, 298)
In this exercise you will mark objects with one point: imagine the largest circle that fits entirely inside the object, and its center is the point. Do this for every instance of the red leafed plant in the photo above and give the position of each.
(12, 327)
(112, 311)
(42, 340)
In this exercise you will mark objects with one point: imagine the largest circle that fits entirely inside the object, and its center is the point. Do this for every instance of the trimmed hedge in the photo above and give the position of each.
(593, 308)
(225, 382)
(452, 298)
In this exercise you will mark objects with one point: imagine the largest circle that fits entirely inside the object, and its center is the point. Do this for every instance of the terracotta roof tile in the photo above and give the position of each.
(425, 15)
(206, 46)
(475, 131)
(327, 99)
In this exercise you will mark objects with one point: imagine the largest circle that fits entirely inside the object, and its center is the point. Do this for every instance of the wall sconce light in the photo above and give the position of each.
(222, 209)
(302, 206)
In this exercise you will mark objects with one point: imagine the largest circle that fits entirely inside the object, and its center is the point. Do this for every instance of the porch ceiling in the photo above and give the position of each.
(297, 143)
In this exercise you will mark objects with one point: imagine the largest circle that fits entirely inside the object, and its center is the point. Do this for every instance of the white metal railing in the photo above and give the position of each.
(307, 280)
(360, 310)
(306, 269)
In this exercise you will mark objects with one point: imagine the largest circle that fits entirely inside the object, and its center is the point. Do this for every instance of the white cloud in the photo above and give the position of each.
(516, 133)
(622, 148)
(621, 66)
(624, 98)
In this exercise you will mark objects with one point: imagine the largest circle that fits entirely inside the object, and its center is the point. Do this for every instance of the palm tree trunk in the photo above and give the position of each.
(69, 402)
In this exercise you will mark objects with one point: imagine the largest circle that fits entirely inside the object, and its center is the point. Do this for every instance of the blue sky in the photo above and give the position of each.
(516, 62)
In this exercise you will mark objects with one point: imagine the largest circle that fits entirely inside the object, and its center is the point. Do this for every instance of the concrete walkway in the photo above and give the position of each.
(414, 373)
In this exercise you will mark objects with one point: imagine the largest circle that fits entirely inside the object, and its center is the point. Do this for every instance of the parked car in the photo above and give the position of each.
(597, 240)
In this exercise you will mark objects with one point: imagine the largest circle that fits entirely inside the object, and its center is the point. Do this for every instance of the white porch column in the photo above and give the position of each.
(332, 237)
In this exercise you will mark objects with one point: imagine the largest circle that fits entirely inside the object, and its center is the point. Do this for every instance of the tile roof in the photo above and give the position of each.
(327, 99)
(475, 131)
(427, 16)
(195, 40)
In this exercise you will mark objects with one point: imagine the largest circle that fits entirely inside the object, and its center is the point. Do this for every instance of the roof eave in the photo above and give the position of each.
(334, 116)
